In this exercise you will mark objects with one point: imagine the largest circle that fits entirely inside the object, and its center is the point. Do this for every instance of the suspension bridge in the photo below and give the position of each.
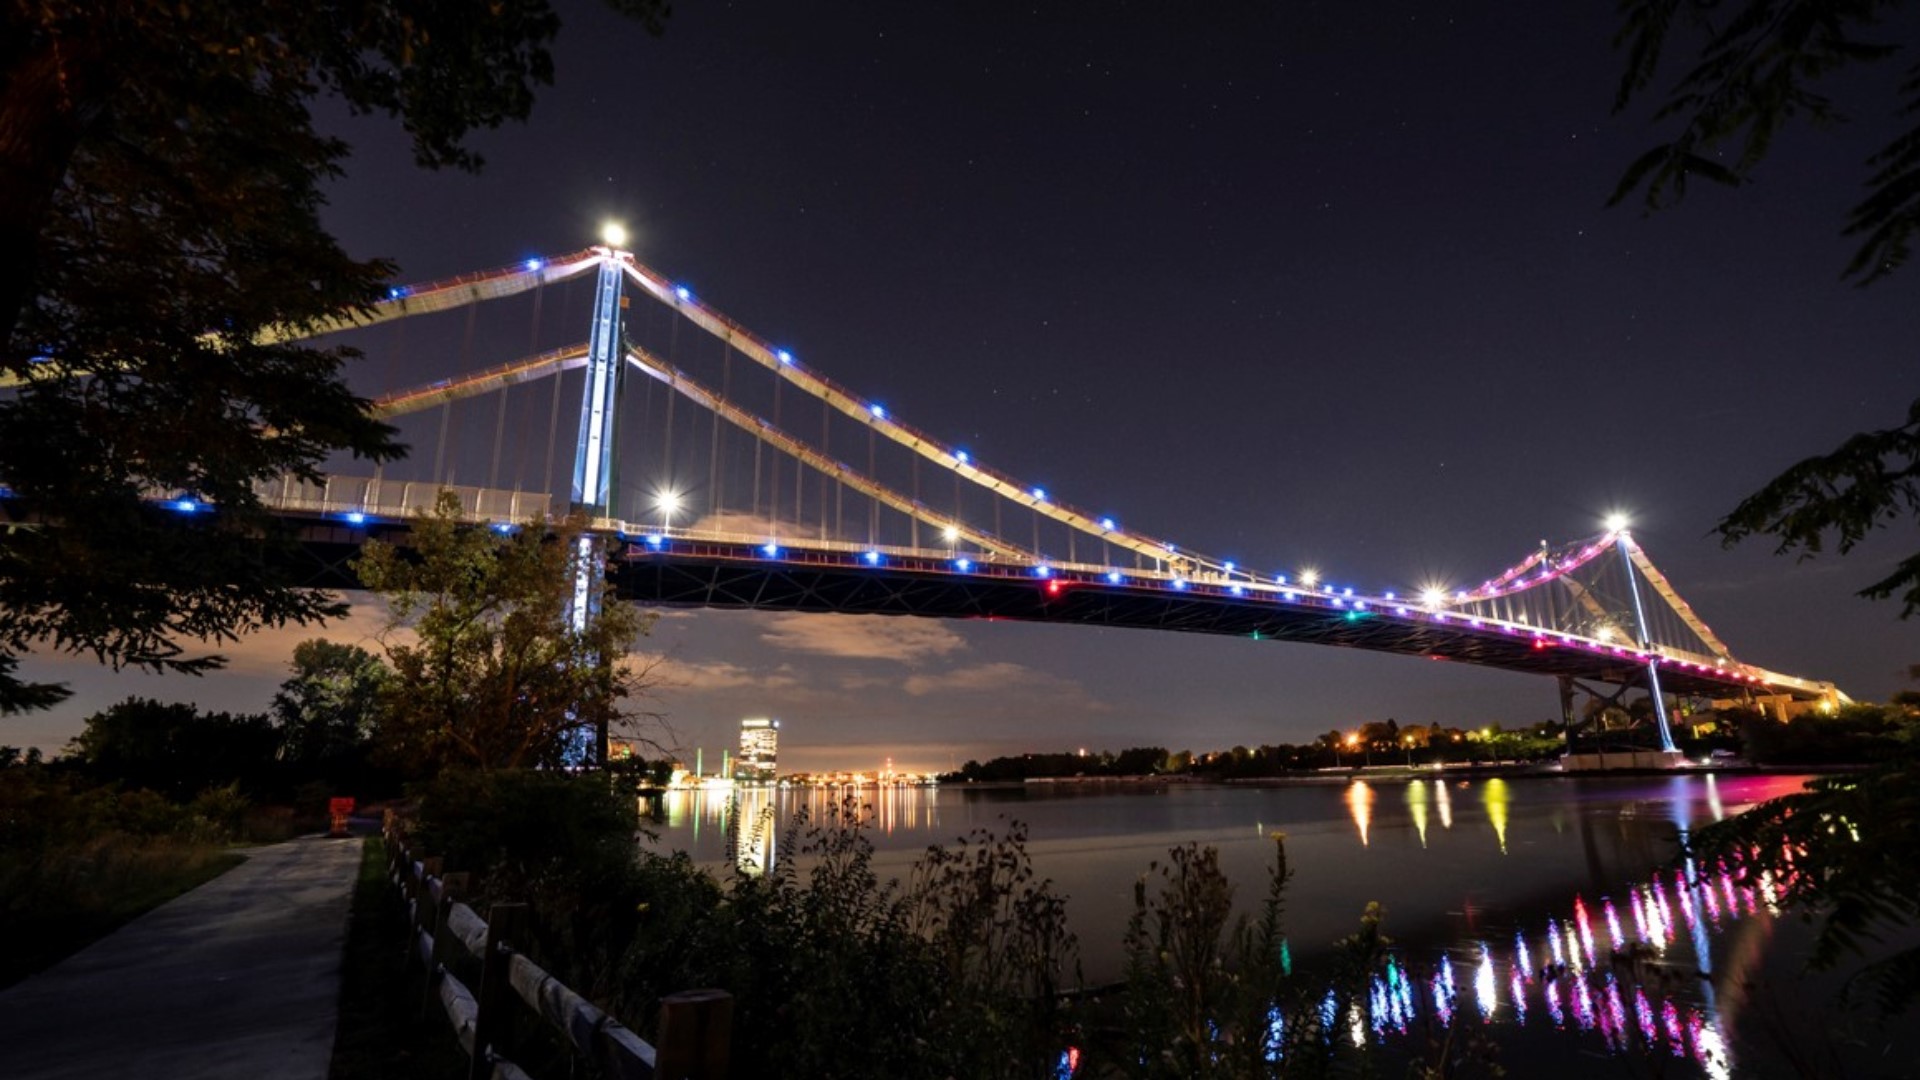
(772, 517)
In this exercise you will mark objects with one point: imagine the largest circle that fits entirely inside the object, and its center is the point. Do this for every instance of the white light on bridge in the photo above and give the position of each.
(682, 292)
(1433, 598)
(1309, 577)
(534, 264)
(950, 534)
(1618, 522)
(614, 234)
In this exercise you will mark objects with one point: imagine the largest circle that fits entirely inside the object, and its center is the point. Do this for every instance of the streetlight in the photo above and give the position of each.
(614, 234)
(1407, 743)
(668, 503)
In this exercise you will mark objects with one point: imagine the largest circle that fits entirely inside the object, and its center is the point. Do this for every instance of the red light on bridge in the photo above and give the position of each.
(1053, 588)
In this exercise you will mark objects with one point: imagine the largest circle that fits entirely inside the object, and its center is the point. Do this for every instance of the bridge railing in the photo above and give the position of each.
(446, 937)
(341, 495)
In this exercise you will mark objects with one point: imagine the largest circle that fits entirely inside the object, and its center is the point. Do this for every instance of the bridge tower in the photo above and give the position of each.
(1622, 545)
(593, 453)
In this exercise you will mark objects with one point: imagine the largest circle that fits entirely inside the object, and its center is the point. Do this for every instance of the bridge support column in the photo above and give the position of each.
(593, 459)
(1640, 630)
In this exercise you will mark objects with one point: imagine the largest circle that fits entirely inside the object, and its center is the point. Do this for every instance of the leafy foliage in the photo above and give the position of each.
(496, 674)
(175, 749)
(1846, 850)
(327, 710)
(160, 193)
(1870, 482)
(1758, 68)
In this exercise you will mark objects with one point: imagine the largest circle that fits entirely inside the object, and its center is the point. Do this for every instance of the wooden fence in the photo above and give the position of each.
(695, 1029)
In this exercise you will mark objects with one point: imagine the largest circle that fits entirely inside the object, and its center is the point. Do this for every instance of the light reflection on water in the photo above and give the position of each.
(1544, 903)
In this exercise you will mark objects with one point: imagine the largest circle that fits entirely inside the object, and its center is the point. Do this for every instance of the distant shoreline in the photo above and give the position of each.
(1393, 772)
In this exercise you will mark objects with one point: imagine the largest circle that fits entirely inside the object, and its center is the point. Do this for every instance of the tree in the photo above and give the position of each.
(1870, 482)
(175, 749)
(496, 674)
(1759, 66)
(327, 711)
(159, 214)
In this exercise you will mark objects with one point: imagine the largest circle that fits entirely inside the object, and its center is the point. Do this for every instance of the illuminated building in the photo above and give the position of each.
(759, 746)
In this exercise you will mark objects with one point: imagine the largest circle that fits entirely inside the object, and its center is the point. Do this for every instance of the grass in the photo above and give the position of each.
(381, 1032)
(69, 897)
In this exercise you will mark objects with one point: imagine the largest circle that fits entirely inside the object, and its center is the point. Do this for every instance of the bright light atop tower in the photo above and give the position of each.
(1309, 577)
(950, 533)
(1433, 597)
(668, 502)
(614, 234)
(1617, 522)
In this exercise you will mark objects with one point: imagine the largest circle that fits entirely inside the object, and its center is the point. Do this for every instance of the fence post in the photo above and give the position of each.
(451, 885)
(696, 1035)
(506, 927)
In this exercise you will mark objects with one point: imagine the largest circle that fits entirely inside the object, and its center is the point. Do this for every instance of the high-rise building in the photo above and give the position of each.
(759, 746)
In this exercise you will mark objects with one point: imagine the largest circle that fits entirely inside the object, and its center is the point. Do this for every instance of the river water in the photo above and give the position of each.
(1486, 882)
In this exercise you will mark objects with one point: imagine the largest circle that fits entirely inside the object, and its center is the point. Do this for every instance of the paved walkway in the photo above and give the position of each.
(238, 978)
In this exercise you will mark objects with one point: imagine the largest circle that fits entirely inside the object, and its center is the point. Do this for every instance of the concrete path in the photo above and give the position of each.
(238, 978)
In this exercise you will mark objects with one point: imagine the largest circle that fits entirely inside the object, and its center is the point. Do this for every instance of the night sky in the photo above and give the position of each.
(1294, 284)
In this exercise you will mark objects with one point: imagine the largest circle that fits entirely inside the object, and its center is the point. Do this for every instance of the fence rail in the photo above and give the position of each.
(695, 1026)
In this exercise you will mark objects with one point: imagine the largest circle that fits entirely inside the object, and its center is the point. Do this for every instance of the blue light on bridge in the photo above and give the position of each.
(502, 527)
(878, 410)
(654, 540)
(1236, 590)
(785, 356)
(1280, 579)
(1114, 577)
(186, 506)
(534, 264)
(872, 557)
(1228, 567)
(682, 292)
(355, 517)
(1039, 494)
(1180, 583)
(770, 549)
(1107, 524)
(962, 456)
(1043, 571)
(398, 292)
(963, 565)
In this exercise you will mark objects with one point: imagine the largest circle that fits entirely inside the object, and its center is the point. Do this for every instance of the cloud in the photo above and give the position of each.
(708, 675)
(863, 637)
(998, 677)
